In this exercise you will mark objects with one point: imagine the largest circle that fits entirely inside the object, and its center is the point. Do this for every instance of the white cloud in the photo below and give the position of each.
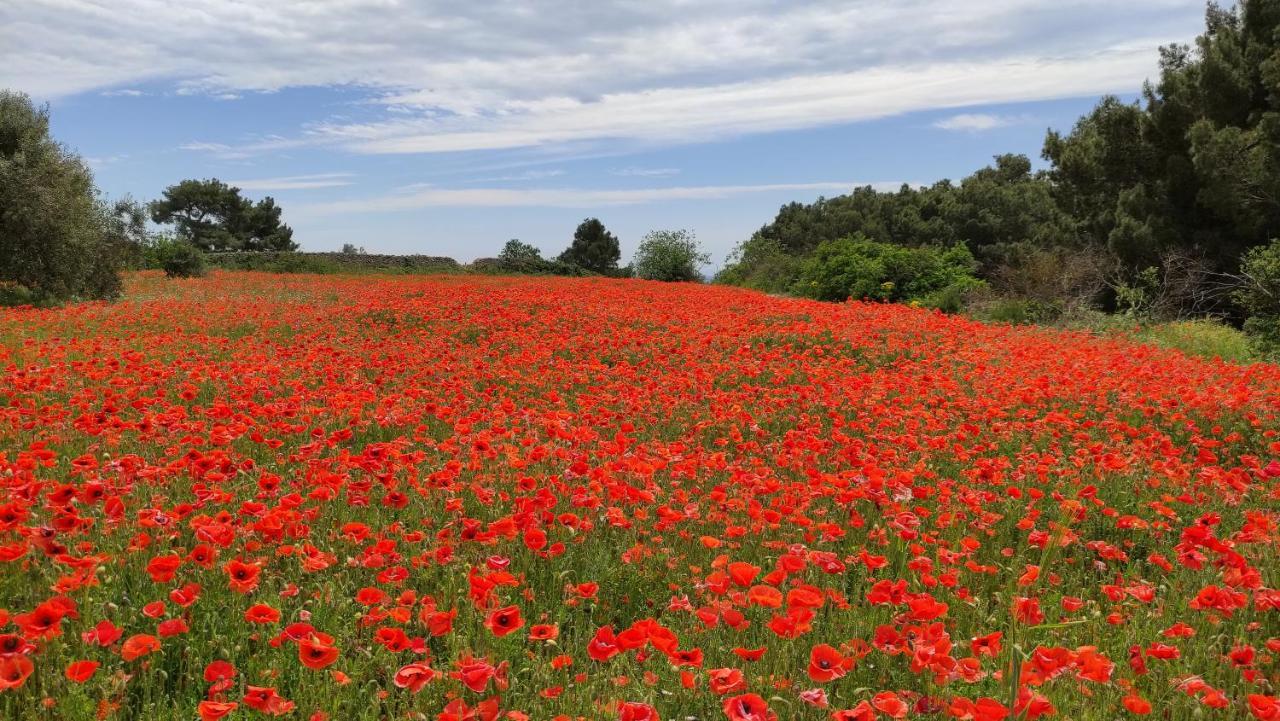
(521, 177)
(122, 92)
(441, 76)
(295, 182)
(424, 196)
(977, 122)
(202, 146)
(645, 172)
(666, 115)
(103, 160)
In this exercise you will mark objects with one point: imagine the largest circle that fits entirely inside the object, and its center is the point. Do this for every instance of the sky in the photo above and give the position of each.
(446, 128)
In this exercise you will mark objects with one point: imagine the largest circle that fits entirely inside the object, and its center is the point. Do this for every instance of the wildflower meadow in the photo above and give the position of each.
(466, 498)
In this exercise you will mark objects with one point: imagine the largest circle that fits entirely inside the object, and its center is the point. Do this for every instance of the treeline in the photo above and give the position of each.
(1168, 207)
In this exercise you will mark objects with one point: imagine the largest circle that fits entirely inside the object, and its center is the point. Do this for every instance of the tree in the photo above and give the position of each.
(594, 248)
(670, 255)
(1002, 212)
(1194, 169)
(214, 216)
(58, 239)
(519, 254)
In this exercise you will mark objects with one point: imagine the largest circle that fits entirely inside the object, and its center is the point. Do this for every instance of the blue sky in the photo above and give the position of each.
(438, 128)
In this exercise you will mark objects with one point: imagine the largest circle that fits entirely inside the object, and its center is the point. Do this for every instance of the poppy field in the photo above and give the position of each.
(472, 498)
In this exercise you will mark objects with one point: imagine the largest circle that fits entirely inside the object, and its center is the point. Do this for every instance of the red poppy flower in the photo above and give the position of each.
(14, 671)
(139, 645)
(827, 664)
(214, 710)
(544, 632)
(414, 676)
(634, 711)
(748, 707)
(242, 577)
(315, 653)
(261, 613)
(81, 671)
(504, 621)
(267, 701)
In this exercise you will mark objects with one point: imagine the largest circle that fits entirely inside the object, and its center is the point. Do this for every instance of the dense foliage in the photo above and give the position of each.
(177, 258)
(523, 258)
(1160, 198)
(669, 255)
(213, 216)
(863, 269)
(593, 248)
(1259, 295)
(470, 498)
(58, 239)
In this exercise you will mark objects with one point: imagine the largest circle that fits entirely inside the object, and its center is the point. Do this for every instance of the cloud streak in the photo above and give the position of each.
(417, 196)
(976, 122)
(295, 182)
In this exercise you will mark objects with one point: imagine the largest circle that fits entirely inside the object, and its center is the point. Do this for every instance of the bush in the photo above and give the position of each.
(669, 255)
(1207, 338)
(58, 240)
(762, 264)
(952, 298)
(178, 258)
(1259, 296)
(1017, 311)
(858, 268)
(275, 262)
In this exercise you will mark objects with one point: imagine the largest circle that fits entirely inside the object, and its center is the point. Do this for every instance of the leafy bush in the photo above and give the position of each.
(271, 262)
(58, 240)
(669, 255)
(762, 264)
(518, 253)
(1259, 296)
(1017, 311)
(1207, 338)
(952, 298)
(177, 258)
(858, 268)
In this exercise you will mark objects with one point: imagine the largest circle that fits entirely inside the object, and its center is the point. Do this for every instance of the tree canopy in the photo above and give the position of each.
(58, 239)
(670, 255)
(214, 216)
(594, 248)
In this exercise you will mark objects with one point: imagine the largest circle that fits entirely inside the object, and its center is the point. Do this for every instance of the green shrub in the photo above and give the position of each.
(952, 298)
(858, 268)
(669, 255)
(179, 258)
(1259, 296)
(274, 262)
(1206, 338)
(761, 264)
(1264, 335)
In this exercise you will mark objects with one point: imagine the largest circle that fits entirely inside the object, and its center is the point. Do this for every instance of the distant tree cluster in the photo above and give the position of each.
(669, 255)
(1157, 205)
